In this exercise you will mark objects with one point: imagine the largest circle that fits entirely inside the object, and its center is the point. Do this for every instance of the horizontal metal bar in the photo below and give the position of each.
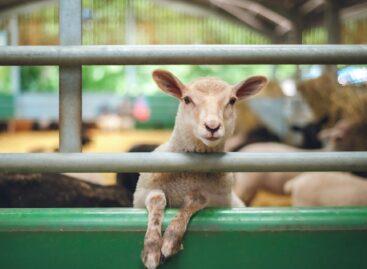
(175, 162)
(249, 219)
(183, 54)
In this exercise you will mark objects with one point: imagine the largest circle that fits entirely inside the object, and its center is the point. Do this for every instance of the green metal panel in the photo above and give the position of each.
(243, 238)
(163, 110)
(7, 108)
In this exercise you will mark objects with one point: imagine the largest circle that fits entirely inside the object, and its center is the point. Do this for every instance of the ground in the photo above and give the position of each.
(108, 141)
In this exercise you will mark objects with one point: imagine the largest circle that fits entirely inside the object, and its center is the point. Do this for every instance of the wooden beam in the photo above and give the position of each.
(284, 23)
(243, 15)
(213, 10)
(274, 7)
(354, 12)
(311, 5)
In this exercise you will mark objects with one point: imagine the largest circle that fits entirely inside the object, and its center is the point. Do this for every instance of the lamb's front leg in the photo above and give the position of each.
(174, 233)
(155, 204)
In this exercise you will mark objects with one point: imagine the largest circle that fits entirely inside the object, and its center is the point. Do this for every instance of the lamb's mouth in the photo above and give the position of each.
(211, 141)
(212, 138)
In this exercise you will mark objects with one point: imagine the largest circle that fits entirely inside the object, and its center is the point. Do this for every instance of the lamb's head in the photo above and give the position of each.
(346, 135)
(207, 104)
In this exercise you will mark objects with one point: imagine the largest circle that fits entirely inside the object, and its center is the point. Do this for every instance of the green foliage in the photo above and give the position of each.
(104, 78)
(115, 78)
(316, 35)
(39, 79)
(5, 75)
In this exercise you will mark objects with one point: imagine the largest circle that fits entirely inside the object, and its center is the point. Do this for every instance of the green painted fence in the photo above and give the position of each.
(243, 238)
(7, 108)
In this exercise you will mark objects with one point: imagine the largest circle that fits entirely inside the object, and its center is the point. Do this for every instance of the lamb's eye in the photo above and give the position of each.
(232, 101)
(187, 100)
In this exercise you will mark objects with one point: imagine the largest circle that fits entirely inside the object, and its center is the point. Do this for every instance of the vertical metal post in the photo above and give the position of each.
(70, 90)
(14, 40)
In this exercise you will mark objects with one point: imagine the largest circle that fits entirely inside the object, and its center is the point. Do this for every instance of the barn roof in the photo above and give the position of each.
(273, 18)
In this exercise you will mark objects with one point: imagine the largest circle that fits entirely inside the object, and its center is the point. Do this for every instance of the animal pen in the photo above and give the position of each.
(217, 238)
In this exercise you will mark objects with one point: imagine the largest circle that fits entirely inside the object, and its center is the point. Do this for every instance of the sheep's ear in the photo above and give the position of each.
(336, 133)
(168, 83)
(249, 87)
(331, 134)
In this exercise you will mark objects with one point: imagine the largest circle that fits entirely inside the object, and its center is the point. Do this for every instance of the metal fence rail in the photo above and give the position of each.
(175, 162)
(183, 54)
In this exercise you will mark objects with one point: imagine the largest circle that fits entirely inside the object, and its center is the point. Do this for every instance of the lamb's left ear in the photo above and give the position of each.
(249, 87)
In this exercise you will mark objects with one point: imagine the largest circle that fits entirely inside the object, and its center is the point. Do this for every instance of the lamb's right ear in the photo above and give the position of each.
(168, 83)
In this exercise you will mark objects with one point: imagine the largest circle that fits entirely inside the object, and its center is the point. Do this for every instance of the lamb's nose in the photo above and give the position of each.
(212, 127)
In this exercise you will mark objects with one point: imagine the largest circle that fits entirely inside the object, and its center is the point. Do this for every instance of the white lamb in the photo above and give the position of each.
(327, 189)
(205, 119)
(346, 135)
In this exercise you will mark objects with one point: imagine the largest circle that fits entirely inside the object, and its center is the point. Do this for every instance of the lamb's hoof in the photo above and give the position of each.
(151, 255)
(171, 247)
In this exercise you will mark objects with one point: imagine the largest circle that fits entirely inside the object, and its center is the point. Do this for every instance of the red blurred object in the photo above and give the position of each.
(141, 110)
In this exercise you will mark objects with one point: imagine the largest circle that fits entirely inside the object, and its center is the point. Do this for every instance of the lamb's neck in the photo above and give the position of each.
(182, 140)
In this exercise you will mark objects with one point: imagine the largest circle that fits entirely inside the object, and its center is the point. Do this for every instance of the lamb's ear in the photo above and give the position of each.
(249, 87)
(336, 133)
(331, 134)
(168, 83)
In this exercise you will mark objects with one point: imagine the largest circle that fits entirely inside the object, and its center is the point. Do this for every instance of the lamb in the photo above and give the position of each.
(247, 184)
(327, 189)
(346, 135)
(204, 120)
